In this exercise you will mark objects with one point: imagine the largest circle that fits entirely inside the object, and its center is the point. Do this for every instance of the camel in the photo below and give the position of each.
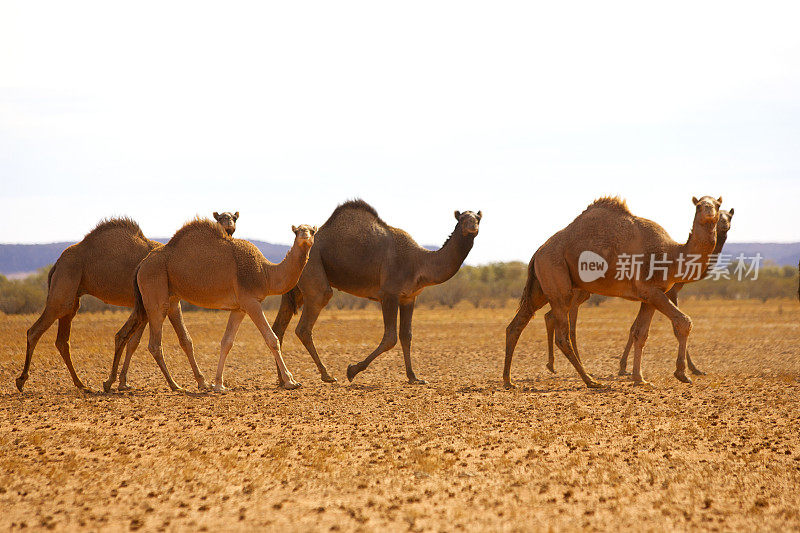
(102, 265)
(357, 252)
(205, 266)
(611, 235)
(723, 226)
(227, 220)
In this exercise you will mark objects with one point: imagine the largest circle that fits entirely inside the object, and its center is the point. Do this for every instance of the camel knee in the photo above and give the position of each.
(226, 345)
(62, 345)
(683, 326)
(304, 333)
(187, 344)
(405, 338)
(389, 341)
(272, 341)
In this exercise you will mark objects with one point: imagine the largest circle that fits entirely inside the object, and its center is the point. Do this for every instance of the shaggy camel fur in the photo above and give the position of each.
(723, 226)
(607, 228)
(102, 265)
(203, 265)
(359, 253)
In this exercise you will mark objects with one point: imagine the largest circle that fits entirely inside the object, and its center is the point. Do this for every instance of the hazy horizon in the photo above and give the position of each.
(526, 111)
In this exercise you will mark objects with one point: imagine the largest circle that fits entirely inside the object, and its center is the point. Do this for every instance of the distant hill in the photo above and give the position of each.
(17, 260)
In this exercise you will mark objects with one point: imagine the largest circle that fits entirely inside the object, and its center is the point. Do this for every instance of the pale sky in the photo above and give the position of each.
(526, 111)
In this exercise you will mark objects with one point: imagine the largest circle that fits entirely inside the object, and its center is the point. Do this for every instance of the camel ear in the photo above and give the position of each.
(458, 215)
(695, 200)
(480, 215)
(216, 216)
(294, 230)
(719, 201)
(730, 212)
(236, 216)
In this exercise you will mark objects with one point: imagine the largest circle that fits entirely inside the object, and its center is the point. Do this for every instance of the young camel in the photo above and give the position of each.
(723, 226)
(101, 265)
(359, 253)
(203, 265)
(553, 277)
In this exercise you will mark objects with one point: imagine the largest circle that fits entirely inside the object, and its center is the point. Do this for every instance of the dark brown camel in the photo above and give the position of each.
(723, 226)
(609, 232)
(357, 252)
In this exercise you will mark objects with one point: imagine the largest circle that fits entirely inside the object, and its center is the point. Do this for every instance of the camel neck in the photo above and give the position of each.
(441, 265)
(281, 278)
(702, 240)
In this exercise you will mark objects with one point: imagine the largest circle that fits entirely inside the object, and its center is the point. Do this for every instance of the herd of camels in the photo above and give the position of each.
(357, 252)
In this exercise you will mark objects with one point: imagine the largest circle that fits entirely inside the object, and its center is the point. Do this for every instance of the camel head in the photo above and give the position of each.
(706, 209)
(468, 221)
(304, 235)
(227, 220)
(724, 223)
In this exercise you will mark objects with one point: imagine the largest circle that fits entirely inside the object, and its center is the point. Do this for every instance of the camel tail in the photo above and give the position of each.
(50, 276)
(293, 300)
(532, 284)
(138, 314)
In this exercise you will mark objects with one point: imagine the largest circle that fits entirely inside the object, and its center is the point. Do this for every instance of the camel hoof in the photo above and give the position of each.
(123, 387)
(681, 376)
(351, 372)
(698, 372)
(220, 388)
(179, 389)
(623, 372)
(20, 383)
(327, 378)
(417, 381)
(204, 387)
(641, 383)
(508, 385)
(550, 367)
(596, 385)
(107, 386)
(292, 385)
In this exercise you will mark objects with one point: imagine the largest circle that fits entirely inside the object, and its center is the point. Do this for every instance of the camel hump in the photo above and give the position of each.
(200, 227)
(356, 205)
(614, 203)
(121, 223)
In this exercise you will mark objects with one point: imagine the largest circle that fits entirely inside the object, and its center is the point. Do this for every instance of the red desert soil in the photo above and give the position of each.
(378, 454)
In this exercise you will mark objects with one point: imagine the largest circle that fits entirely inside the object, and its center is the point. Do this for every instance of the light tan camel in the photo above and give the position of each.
(357, 252)
(101, 265)
(613, 236)
(723, 226)
(203, 265)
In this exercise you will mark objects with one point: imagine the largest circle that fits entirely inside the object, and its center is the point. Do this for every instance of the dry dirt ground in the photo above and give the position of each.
(461, 453)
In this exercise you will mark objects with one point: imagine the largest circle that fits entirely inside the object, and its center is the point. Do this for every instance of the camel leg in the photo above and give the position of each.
(406, 312)
(255, 313)
(564, 343)
(638, 336)
(681, 324)
(61, 297)
(176, 319)
(234, 321)
(623, 361)
(389, 308)
(133, 327)
(62, 344)
(550, 324)
(673, 296)
(312, 307)
(130, 348)
(156, 324)
(527, 309)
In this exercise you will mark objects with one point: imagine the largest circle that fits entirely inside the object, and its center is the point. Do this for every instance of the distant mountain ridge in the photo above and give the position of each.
(25, 258)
